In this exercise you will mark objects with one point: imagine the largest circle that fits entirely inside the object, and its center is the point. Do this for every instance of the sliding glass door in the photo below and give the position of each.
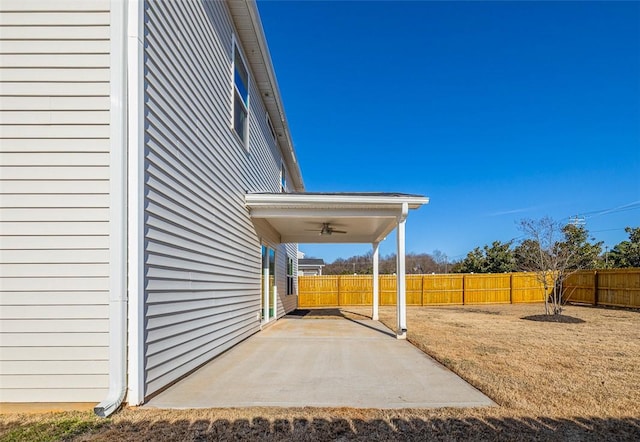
(268, 298)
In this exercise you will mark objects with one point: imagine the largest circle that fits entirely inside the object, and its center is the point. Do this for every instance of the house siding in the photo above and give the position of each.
(287, 302)
(54, 192)
(202, 252)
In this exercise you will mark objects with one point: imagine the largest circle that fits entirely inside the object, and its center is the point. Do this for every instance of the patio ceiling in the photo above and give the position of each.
(299, 217)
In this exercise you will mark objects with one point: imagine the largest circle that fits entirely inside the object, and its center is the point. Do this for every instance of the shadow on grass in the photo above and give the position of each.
(403, 429)
(561, 319)
(391, 429)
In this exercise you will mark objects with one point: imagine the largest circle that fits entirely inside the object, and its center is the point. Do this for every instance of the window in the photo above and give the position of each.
(283, 178)
(271, 129)
(291, 285)
(240, 95)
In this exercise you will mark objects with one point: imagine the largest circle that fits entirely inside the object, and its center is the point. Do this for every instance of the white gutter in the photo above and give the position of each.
(117, 215)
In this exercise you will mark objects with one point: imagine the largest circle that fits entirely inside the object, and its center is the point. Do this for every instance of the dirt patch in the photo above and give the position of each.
(561, 319)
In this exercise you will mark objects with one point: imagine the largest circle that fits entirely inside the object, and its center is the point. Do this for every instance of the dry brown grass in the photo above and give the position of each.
(552, 382)
(552, 369)
(312, 424)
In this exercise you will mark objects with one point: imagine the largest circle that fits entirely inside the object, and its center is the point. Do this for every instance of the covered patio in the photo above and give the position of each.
(340, 218)
(330, 362)
(348, 361)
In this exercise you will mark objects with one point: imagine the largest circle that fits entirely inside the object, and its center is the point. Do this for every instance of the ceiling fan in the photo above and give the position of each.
(327, 230)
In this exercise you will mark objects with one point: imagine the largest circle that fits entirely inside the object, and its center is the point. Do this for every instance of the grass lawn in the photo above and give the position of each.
(552, 381)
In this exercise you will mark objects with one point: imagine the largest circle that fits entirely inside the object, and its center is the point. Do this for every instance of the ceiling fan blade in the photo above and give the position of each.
(337, 231)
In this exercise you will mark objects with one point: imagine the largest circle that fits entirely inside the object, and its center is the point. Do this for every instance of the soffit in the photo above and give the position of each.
(365, 217)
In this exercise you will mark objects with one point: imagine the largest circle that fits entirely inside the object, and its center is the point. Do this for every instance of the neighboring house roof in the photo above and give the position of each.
(251, 34)
(310, 262)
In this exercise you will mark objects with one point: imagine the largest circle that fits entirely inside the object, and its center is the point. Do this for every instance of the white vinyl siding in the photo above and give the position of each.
(203, 256)
(240, 94)
(286, 303)
(54, 191)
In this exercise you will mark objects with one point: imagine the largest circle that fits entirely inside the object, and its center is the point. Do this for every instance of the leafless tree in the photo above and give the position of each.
(548, 252)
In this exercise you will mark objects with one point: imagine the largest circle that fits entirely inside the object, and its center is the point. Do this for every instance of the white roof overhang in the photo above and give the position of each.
(299, 217)
(250, 33)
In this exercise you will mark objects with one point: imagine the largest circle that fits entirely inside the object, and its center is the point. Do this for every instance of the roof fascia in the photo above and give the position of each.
(319, 200)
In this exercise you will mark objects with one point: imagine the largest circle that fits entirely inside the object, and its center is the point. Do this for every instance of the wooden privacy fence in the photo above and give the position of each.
(610, 287)
(447, 289)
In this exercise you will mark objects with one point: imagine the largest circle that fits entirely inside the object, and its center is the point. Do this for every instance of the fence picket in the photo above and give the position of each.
(612, 287)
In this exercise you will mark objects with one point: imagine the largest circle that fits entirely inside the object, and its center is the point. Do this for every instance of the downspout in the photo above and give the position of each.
(117, 214)
(135, 199)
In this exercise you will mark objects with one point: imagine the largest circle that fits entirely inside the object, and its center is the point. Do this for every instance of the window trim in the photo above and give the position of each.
(271, 129)
(291, 286)
(236, 94)
(283, 178)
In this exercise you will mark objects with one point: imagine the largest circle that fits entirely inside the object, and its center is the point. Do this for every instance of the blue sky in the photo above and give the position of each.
(497, 111)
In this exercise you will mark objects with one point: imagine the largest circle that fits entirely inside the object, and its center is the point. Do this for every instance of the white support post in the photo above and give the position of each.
(376, 282)
(265, 286)
(401, 301)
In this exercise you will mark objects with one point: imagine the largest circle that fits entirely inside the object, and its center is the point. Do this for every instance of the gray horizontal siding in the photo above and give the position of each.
(203, 255)
(54, 192)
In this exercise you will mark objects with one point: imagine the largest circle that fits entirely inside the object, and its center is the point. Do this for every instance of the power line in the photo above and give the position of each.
(625, 207)
(581, 220)
(608, 230)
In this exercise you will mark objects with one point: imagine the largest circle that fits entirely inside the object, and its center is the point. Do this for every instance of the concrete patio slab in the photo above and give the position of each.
(322, 363)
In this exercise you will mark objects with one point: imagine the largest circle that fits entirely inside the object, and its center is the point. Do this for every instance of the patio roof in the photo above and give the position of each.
(300, 217)
(339, 218)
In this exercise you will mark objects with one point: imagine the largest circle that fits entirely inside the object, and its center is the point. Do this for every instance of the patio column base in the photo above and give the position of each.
(401, 334)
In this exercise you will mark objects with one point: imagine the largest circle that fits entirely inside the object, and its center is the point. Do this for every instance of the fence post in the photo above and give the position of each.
(463, 287)
(511, 288)
(339, 290)
(595, 288)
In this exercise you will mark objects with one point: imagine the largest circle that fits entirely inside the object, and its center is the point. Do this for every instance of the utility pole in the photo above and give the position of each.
(606, 257)
(577, 221)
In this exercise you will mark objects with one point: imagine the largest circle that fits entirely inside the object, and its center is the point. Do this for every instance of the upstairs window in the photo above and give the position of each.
(271, 129)
(283, 178)
(240, 95)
